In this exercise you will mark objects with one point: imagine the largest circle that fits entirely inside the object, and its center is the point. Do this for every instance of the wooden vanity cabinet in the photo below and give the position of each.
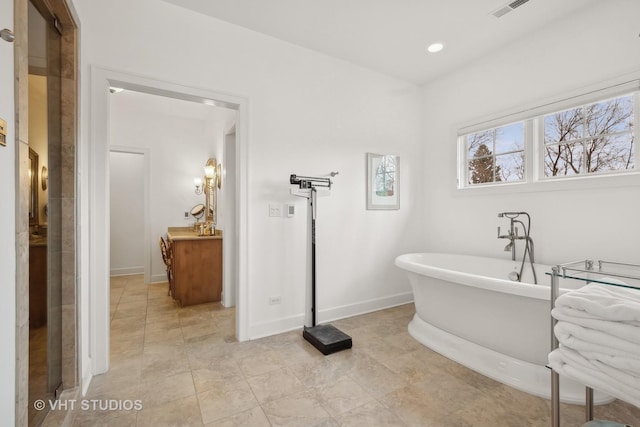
(196, 263)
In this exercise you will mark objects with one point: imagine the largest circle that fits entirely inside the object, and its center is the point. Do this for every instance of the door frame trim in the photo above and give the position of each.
(95, 166)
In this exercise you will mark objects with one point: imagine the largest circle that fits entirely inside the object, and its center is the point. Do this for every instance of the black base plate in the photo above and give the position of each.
(326, 338)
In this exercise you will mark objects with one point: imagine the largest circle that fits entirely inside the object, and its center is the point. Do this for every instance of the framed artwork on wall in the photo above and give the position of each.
(383, 181)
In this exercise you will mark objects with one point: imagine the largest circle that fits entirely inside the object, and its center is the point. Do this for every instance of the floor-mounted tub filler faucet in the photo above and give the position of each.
(512, 236)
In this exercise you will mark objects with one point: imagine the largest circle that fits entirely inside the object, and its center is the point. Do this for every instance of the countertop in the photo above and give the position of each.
(187, 233)
(37, 240)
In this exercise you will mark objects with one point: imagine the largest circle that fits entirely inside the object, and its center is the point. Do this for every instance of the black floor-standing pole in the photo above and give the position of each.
(326, 338)
(312, 204)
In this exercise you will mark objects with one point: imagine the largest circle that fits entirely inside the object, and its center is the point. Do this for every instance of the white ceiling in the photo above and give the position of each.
(391, 36)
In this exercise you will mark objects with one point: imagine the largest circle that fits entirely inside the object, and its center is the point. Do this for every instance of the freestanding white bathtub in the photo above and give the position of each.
(469, 311)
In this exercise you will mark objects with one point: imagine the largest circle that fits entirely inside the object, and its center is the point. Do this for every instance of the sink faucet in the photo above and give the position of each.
(512, 235)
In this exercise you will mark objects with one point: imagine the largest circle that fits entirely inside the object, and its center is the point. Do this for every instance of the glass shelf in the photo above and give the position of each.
(603, 272)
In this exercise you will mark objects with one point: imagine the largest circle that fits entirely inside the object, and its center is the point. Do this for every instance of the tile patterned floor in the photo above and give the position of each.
(186, 368)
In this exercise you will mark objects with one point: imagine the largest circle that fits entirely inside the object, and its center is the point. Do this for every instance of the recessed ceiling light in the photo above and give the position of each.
(435, 47)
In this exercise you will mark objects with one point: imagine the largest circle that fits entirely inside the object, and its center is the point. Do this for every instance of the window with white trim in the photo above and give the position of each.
(496, 155)
(587, 135)
(593, 138)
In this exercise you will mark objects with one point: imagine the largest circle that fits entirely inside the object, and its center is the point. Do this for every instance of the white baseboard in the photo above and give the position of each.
(86, 379)
(285, 324)
(278, 326)
(364, 307)
(126, 271)
(159, 278)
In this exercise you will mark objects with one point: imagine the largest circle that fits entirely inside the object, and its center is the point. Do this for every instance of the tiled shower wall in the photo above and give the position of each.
(62, 199)
(22, 208)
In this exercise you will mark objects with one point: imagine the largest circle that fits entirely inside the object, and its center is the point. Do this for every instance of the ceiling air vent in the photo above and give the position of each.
(508, 8)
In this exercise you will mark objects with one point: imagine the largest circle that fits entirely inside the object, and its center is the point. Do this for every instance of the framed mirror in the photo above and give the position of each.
(33, 187)
(383, 181)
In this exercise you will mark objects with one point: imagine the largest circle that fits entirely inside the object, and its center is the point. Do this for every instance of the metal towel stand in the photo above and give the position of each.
(584, 271)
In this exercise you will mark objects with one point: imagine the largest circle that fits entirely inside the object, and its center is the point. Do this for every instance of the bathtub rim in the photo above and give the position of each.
(541, 290)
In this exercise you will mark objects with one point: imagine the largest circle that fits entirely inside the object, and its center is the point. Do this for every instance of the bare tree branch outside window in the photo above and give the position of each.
(594, 138)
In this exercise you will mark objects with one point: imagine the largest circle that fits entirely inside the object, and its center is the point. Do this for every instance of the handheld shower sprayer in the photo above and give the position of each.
(512, 235)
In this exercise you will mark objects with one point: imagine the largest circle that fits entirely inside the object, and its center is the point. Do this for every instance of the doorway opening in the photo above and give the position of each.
(175, 163)
(180, 136)
(129, 211)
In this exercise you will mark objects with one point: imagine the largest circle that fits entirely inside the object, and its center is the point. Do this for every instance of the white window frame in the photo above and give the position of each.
(533, 118)
(539, 142)
(465, 159)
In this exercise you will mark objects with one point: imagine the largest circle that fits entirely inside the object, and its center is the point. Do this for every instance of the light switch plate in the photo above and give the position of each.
(275, 210)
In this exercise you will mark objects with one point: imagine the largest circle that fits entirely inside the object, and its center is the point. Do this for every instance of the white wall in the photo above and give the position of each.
(7, 226)
(309, 114)
(126, 181)
(179, 145)
(597, 44)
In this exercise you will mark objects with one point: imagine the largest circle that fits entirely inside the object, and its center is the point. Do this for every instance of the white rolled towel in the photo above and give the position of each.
(605, 302)
(629, 331)
(629, 363)
(570, 363)
(585, 339)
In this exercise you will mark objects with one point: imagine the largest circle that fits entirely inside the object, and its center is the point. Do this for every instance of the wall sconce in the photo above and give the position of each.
(210, 169)
(212, 175)
(44, 178)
